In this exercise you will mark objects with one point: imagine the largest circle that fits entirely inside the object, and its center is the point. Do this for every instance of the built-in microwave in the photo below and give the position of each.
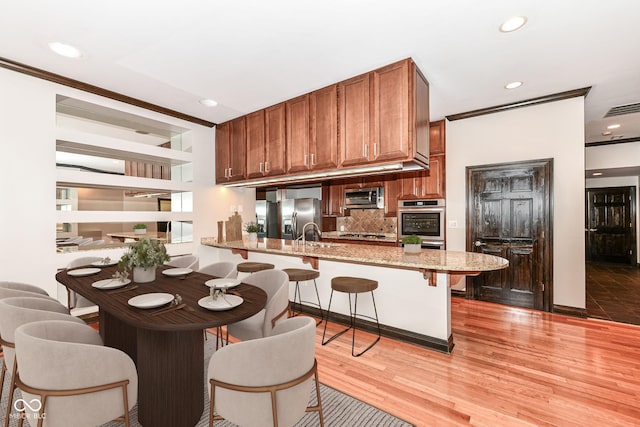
(424, 218)
(364, 198)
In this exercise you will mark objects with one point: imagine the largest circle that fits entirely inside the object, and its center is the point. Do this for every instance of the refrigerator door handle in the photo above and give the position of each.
(294, 225)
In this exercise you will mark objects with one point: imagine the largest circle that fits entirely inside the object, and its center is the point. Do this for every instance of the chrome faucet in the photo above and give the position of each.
(304, 228)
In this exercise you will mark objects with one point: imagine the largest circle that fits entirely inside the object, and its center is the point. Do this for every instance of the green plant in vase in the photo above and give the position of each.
(252, 228)
(412, 244)
(140, 228)
(143, 257)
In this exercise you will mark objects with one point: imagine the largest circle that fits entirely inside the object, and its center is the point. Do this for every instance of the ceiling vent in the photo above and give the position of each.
(623, 109)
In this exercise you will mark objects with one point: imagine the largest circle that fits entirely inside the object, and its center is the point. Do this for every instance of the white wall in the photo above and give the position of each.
(28, 180)
(553, 130)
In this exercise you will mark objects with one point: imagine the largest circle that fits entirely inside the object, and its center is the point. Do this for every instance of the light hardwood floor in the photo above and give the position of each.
(510, 367)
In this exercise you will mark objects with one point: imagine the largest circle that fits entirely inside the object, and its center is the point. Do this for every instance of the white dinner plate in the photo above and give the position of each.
(176, 271)
(152, 300)
(79, 272)
(110, 283)
(222, 283)
(102, 263)
(221, 303)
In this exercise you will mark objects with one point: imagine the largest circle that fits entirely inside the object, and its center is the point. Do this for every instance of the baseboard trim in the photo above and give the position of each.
(570, 311)
(440, 345)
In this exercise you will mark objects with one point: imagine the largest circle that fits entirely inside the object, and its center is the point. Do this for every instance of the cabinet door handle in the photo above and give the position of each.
(260, 167)
(226, 172)
(365, 150)
(375, 149)
(305, 160)
(266, 166)
(230, 173)
(313, 159)
(423, 191)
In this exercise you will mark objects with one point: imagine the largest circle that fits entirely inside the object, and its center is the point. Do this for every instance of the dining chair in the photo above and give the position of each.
(266, 381)
(222, 269)
(13, 290)
(73, 299)
(276, 284)
(15, 312)
(185, 261)
(78, 380)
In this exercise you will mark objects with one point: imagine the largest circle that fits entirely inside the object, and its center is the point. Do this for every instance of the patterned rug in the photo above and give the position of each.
(339, 409)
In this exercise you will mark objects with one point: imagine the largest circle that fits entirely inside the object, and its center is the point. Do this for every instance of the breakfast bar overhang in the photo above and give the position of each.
(413, 298)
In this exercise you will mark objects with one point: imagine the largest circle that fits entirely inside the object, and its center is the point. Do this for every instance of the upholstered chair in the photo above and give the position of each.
(186, 261)
(17, 289)
(78, 381)
(276, 284)
(15, 312)
(222, 269)
(73, 299)
(13, 290)
(266, 381)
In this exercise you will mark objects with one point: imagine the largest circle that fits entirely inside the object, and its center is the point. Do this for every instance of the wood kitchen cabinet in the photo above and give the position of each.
(297, 120)
(231, 150)
(312, 131)
(436, 138)
(333, 198)
(392, 187)
(384, 116)
(255, 144)
(427, 183)
(266, 142)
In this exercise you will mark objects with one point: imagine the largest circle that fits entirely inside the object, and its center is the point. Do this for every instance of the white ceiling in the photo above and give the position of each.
(248, 54)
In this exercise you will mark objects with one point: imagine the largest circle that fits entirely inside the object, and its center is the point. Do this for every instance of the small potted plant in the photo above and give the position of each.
(252, 228)
(143, 257)
(140, 228)
(412, 244)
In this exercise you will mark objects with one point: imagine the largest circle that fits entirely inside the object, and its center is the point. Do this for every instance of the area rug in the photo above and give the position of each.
(339, 409)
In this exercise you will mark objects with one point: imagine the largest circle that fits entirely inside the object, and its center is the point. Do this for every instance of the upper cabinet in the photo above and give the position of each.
(231, 151)
(323, 122)
(275, 133)
(436, 138)
(377, 118)
(255, 144)
(312, 131)
(384, 116)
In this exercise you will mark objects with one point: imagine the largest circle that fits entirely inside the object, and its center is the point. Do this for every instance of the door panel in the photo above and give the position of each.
(509, 216)
(610, 224)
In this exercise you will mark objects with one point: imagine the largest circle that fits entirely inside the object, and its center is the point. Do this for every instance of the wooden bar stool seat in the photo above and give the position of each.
(253, 267)
(302, 275)
(355, 286)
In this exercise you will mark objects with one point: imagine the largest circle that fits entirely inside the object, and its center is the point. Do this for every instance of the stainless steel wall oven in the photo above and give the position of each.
(424, 218)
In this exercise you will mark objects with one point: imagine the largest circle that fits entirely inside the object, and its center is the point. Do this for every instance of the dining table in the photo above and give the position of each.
(165, 342)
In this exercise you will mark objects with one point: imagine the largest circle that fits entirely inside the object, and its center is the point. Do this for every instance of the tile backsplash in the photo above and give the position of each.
(367, 220)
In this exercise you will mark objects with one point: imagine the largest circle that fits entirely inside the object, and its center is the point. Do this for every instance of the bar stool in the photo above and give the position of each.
(352, 285)
(301, 275)
(252, 267)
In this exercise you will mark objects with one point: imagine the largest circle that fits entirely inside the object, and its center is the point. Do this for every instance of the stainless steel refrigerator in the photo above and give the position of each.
(267, 219)
(295, 213)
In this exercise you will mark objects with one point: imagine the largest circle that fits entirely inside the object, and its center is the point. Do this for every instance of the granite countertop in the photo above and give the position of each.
(427, 259)
(361, 236)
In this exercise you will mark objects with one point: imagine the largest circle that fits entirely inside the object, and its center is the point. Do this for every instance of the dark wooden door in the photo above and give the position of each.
(509, 216)
(610, 224)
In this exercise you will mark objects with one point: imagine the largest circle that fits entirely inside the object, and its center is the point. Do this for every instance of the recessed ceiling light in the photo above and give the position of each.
(142, 132)
(208, 102)
(512, 85)
(615, 126)
(597, 173)
(513, 23)
(65, 50)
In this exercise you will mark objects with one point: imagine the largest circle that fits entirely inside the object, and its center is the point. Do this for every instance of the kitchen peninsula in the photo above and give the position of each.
(413, 298)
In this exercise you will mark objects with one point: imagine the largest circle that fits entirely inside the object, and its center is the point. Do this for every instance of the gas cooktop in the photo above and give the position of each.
(363, 235)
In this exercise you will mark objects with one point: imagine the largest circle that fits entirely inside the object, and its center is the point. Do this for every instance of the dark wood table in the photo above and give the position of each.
(168, 348)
